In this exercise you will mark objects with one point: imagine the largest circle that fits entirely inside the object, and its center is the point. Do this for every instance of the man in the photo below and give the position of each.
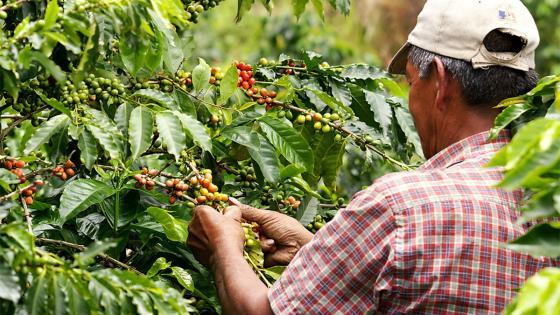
(427, 241)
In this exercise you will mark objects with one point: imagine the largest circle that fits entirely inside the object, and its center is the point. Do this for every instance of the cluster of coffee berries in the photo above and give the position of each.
(145, 178)
(251, 231)
(28, 104)
(65, 171)
(214, 120)
(291, 64)
(91, 90)
(245, 77)
(265, 62)
(184, 79)
(16, 167)
(176, 188)
(193, 11)
(205, 191)
(27, 193)
(216, 76)
(292, 202)
(246, 177)
(320, 122)
(319, 221)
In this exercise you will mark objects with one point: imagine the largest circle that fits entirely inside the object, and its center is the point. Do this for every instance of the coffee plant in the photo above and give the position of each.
(109, 139)
(530, 162)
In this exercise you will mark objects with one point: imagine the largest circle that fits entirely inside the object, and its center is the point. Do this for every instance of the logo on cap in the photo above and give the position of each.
(504, 14)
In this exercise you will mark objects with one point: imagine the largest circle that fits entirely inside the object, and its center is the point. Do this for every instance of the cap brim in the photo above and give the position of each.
(398, 63)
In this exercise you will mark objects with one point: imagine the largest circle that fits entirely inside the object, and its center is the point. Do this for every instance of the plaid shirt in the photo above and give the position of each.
(423, 242)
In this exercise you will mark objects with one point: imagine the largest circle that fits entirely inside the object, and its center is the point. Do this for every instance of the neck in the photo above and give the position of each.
(463, 125)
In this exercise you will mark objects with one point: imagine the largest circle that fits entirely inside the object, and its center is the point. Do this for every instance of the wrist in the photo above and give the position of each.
(224, 254)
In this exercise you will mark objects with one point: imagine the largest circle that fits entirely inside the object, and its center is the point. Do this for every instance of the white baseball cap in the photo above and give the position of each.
(457, 28)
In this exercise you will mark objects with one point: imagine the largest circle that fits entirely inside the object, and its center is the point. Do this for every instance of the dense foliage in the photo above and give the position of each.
(532, 162)
(109, 139)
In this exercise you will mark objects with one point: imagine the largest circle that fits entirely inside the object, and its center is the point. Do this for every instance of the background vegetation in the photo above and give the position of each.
(117, 117)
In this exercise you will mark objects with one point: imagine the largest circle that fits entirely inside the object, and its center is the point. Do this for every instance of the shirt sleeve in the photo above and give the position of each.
(347, 265)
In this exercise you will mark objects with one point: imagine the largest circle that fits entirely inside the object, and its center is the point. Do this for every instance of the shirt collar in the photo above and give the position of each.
(473, 146)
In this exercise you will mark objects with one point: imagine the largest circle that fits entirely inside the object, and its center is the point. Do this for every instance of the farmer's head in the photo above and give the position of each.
(463, 58)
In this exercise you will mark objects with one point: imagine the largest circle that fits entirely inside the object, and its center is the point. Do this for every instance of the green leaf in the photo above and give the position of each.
(541, 240)
(196, 130)
(344, 111)
(157, 96)
(171, 131)
(28, 55)
(228, 84)
(341, 92)
(274, 272)
(242, 7)
(361, 72)
(141, 126)
(507, 116)
(288, 141)
(88, 148)
(183, 277)
(380, 108)
(307, 212)
(36, 296)
(54, 103)
(318, 5)
(45, 132)
(122, 117)
(523, 141)
(51, 14)
(299, 7)
(86, 257)
(160, 264)
(80, 195)
(9, 285)
(328, 158)
(406, 123)
(201, 76)
(291, 171)
(133, 50)
(175, 229)
(341, 5)
(106, 140)
(107, 133)
(259, 148)
(536, 161)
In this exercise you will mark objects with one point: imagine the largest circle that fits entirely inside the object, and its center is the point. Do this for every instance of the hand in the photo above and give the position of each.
(211, 233)
(281, 236)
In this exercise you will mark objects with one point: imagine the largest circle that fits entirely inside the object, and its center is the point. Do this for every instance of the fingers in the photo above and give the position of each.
(254, 215)
(233, 212)
(268, 245)
(278, 258)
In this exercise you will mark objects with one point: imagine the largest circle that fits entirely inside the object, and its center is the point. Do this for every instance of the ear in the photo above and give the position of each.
(442, 83)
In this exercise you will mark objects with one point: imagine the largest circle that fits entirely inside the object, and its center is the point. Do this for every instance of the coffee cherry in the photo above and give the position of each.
(338, 138)
(70, 172)
(263, 61)
(8, 165)
(19, 164)
(317, 125)
(172, 199)
(3, 15)
(326, 129)
(317, 116)
(28, 200)
(39, 182)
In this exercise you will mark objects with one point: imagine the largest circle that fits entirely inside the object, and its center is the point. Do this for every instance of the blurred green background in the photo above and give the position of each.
(372, 32)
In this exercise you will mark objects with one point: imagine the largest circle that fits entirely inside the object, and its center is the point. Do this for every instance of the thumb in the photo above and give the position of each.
(233, 212)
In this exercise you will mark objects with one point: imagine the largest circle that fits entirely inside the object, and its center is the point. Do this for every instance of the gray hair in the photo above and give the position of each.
(480, 86)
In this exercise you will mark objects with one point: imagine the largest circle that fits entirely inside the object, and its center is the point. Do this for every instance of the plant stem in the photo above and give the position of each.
(257, 269)
(26, 213)
(81, 248)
